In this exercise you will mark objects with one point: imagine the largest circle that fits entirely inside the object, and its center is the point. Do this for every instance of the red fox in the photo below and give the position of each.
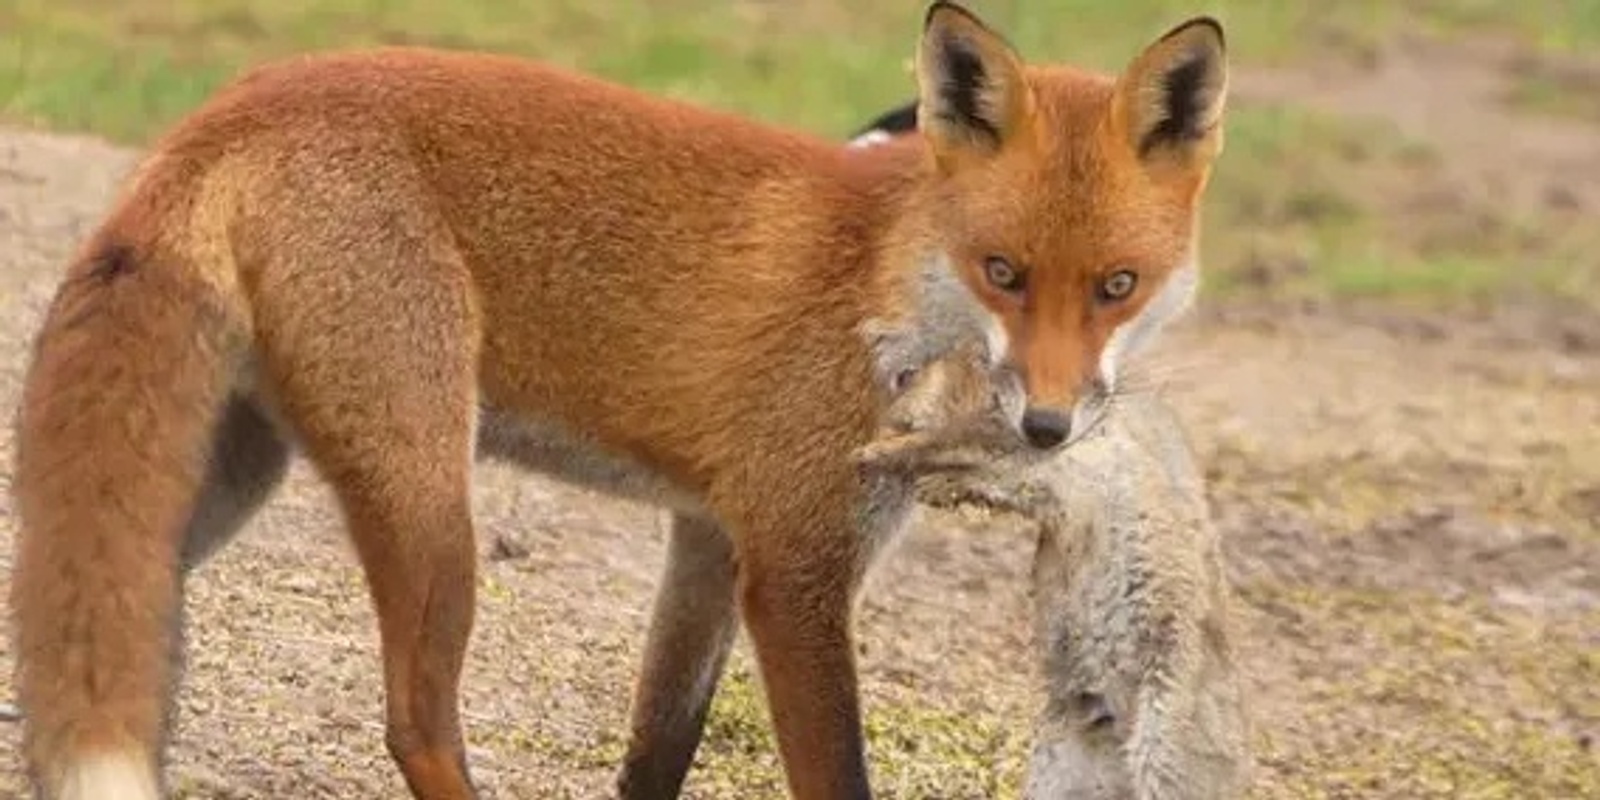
(403, 260)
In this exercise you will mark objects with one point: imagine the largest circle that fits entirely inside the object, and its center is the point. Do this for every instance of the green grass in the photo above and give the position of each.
(127, 69)
(1568, 26)
(1304, 204)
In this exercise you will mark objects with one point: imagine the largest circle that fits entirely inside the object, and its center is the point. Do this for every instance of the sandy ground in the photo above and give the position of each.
(1411, 505)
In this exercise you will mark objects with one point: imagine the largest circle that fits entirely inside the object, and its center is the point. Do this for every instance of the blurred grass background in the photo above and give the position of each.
(1291, 207)
(126, 68)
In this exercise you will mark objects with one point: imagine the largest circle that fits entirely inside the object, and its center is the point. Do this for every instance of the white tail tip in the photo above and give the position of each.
(109, 776)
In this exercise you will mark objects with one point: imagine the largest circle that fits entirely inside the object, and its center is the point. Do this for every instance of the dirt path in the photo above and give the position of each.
(1455, 97)
(1412, 510)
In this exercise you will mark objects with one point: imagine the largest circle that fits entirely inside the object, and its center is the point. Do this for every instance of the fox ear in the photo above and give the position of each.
(1170, 100)
(973, 98)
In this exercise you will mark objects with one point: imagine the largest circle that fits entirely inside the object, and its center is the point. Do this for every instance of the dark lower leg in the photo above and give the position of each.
(692, 628)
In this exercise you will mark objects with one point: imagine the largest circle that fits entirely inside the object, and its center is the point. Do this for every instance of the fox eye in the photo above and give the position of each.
(1118, 285)
(1003, 275)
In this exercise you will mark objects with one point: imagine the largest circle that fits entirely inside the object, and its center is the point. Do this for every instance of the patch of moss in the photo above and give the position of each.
(923, 751)
(1450, 700)
(739, 755)
(1348, 492)
(915, 750)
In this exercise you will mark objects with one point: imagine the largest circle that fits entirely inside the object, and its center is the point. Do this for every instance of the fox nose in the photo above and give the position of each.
(1045, 428)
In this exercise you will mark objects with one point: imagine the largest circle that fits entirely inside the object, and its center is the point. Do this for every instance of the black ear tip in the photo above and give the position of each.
(942, 6)
(1211, 25)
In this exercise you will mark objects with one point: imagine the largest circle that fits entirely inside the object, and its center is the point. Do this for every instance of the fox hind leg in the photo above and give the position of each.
(403, 481)
(373, 358)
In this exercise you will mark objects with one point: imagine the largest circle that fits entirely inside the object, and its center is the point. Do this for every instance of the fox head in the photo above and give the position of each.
(1066, 202)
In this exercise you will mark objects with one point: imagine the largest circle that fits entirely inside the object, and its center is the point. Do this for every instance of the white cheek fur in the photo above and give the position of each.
(997, 340)
(1137, 333)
